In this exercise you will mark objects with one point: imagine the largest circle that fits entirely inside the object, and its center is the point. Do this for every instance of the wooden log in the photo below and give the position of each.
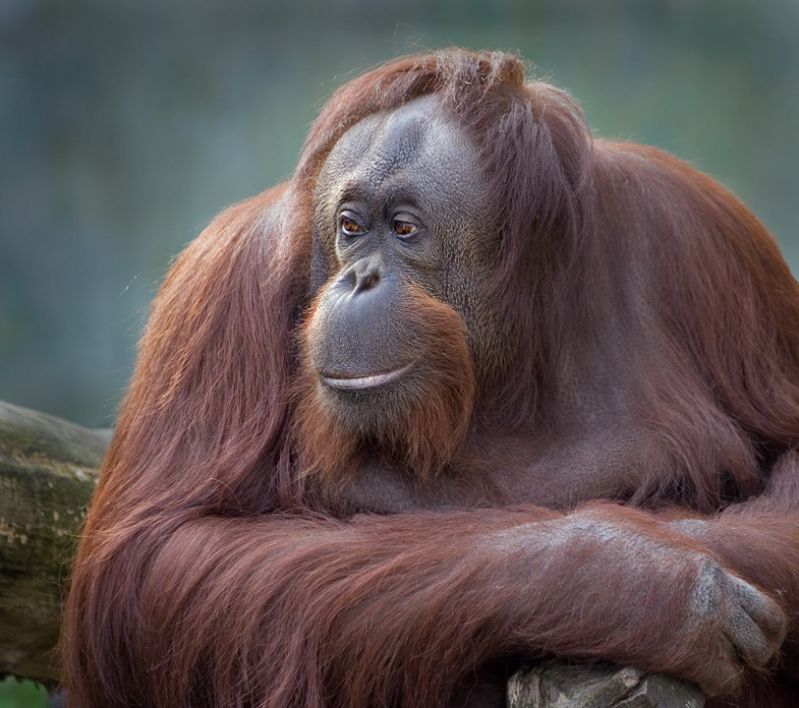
(48, 470)
(553, 685)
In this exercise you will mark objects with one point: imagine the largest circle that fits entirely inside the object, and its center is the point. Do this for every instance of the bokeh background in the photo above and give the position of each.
(126, 125)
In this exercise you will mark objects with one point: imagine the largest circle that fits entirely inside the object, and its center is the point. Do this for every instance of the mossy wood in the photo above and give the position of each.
(48, 470)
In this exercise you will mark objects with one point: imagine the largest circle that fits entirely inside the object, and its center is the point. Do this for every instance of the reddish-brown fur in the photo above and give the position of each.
(208, 574)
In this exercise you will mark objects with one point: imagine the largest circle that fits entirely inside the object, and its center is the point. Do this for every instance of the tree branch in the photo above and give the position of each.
(48, 470)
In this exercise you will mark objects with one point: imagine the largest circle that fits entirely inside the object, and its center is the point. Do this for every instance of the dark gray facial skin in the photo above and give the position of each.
(399, 203)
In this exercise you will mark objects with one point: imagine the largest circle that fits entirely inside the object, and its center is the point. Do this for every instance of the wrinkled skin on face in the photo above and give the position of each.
(400, 227)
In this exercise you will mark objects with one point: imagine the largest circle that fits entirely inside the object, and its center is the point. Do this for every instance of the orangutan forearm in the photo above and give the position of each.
(380, 606)
(353, 611)
(360, 609)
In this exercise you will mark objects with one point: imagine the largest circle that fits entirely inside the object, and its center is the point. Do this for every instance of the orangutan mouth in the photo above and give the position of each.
(359, 383)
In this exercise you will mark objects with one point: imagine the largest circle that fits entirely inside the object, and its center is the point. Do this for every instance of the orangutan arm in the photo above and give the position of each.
(281, 607)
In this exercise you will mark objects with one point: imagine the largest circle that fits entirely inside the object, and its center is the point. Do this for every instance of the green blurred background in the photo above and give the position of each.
(126, 125)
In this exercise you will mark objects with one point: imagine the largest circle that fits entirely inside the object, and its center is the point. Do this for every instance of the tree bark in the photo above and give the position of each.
(48, 470)
(555, 685)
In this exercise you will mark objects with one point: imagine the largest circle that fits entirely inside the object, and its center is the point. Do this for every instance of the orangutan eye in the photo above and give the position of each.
(349, 227)
(404, 229)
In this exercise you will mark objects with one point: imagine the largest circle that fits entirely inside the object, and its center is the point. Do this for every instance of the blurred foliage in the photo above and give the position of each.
(22, 694)
(126, 124)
